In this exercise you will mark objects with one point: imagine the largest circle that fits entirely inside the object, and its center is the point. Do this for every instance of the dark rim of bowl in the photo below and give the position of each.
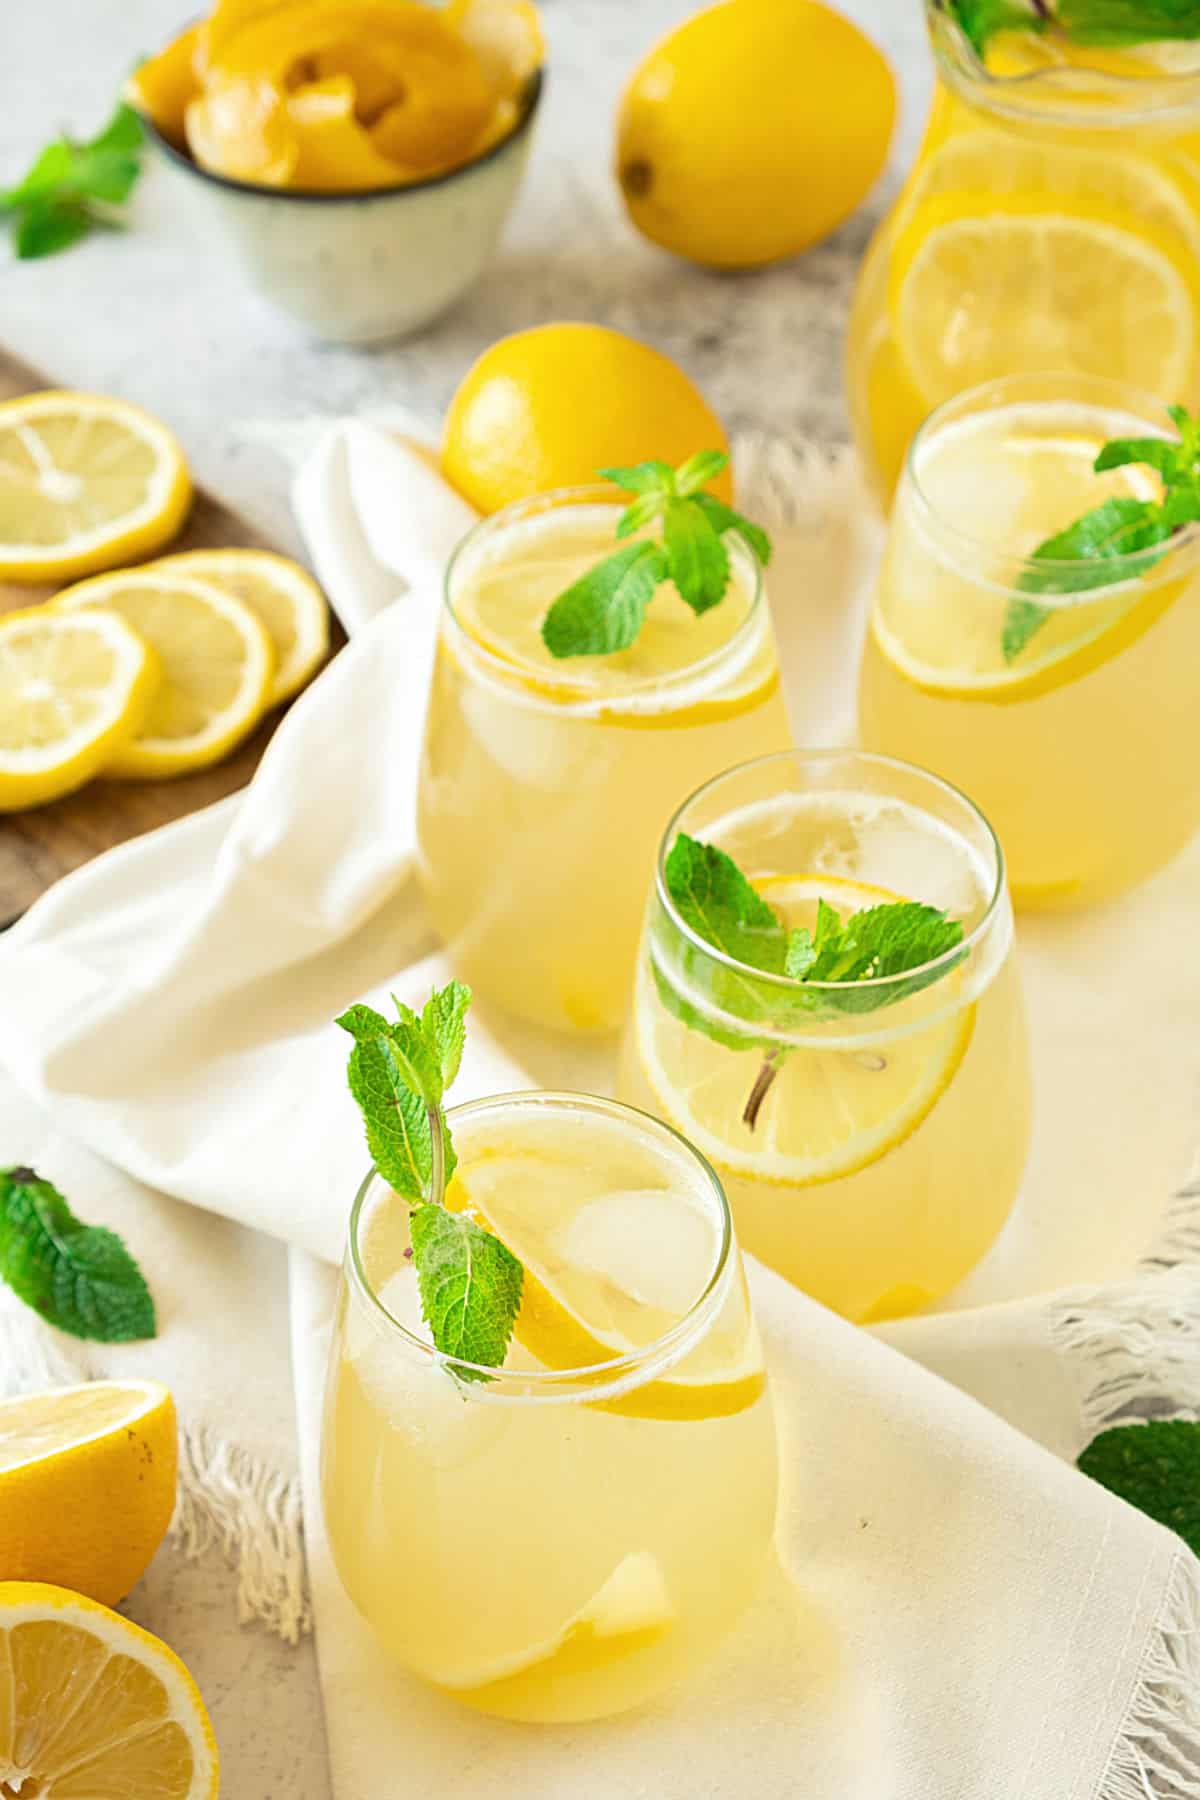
(531, 94)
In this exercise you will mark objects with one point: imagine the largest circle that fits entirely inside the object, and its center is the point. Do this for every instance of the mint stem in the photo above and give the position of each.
(437, 1157)
(761, 1088)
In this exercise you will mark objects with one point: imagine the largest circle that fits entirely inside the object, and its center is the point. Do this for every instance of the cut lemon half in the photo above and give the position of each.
(620, 1274)
(283, 597)
(73, 692)
(92, 1706)
(983, 282)
(632, 1610)
(218, 665)
(86, 483)
(828, 1112)
(87, 1484)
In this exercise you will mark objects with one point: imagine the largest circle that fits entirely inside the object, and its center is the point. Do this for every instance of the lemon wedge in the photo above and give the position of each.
(218, 665)
(829, 1112)
(630, 1611)
(622, 1274)
(983, 282)
(282, 596)
(73, 692)
(92, 1705)
(86, 483)
(87, 1484)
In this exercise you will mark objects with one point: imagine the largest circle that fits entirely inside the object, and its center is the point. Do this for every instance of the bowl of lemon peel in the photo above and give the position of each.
(360, 157)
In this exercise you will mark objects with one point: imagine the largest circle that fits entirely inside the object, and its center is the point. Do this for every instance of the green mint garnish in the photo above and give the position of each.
(78, 1277)
(399, 1071)
(603, 611)
(72, 187)
(1120, 527)
(714, 898)
(1155, 1467)
(1096, 24)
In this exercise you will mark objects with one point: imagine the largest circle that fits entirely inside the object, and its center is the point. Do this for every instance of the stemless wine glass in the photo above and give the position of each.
(1070, 715)
(1051, 221)
(871, 1136)
(544, 783)
(566, 1536)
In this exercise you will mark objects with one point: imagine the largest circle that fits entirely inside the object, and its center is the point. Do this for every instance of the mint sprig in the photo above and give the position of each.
(1095, 24)
(1155, 1467)
(78, 1277)
(1080, 557)
(604, 610)
(720, 905)
(399, 1070)
(72, 187)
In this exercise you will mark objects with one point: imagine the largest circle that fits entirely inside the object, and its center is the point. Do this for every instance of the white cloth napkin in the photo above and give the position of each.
(997, 1625)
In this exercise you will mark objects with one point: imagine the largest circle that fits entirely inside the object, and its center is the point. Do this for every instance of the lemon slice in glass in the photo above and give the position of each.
(829, 1112)
(86, 483)
(218, 665)
(74, 690)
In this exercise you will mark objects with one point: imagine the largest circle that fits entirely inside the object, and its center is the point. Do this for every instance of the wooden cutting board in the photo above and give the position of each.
(37, 847)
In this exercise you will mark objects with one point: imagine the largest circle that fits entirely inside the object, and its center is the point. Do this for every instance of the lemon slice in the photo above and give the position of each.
(86, 483)
(982, 283)
(829, 1112)
(626, 1269)
(73, 692)
(218, 665)
(87, 1484)
(91, 1705)
(630, 1611)
(282, 596)
(942, 629)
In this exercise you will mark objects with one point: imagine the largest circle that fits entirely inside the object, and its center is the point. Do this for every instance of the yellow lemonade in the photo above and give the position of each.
(871, 1137)
(1051, 223)
(544, 783)
(1082, 748)
(565, 1537)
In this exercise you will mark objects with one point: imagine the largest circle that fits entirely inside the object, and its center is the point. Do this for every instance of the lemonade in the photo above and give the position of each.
(871, 1136)
(1051, 222)
(545, 782)
(567, 1536)
(1082, 749)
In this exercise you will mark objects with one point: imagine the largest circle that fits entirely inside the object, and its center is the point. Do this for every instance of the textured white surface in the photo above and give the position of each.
(162, 318)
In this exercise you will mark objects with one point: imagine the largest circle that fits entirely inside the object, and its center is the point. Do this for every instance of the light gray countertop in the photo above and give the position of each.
(160, 317)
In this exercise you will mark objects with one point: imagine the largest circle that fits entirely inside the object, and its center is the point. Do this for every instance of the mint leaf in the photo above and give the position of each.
(604, 609)
(982, 19)
(399, 1070)
(724, 518)
(72, 187)
(642, 478)
(699, 560)
(1155, 1467)
(470, 1286)
(699, 470)
(78, 1277)
(878, 942)
(714, 898)
(1115, 23)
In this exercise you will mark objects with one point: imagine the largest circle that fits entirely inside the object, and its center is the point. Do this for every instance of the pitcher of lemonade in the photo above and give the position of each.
(1051, 223)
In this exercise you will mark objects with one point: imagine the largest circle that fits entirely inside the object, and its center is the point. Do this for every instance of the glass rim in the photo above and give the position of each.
(1138, 402)
(568, 689)
(587, 1383)
(789, 983)
(1044, 95)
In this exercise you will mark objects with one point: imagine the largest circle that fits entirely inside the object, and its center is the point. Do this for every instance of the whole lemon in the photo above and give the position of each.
(552, 406)
(753, 130)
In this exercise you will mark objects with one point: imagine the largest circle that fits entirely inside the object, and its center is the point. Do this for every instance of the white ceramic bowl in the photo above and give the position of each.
(361, 268)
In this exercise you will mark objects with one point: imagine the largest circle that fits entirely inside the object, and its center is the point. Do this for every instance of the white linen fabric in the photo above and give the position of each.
(960, 1614)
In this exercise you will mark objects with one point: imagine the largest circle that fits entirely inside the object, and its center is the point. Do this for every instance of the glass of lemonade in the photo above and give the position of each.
(889, 1140)
(1083, 748)
(565, 1537)
(544, 783)
(1051, 222)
